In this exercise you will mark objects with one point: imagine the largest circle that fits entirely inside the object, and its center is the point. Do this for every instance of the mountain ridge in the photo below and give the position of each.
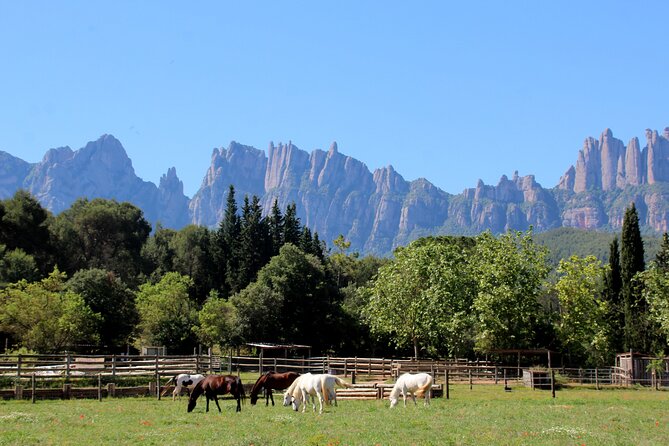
(376, 210)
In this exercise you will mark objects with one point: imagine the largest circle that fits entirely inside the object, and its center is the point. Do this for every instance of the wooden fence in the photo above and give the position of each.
(18, 370)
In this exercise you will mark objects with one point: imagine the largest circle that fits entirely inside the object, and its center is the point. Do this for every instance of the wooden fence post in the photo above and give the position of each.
(596, 378)
(553, 383)
(68, 360)
(111, 390)
(158, 385)
(32, 396)
(369, 369)
(496, 379)
(197, 363)
(345, 367)
(275, 364)
(353, 377)
(67, 390)
(99, 386)
(114, 366)
(447, 386)
(18, 392)
(18, 367)
(470, 379)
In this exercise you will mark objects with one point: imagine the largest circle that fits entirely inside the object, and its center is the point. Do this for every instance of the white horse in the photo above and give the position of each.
(184, 381)
(309, 385)
(419, 384)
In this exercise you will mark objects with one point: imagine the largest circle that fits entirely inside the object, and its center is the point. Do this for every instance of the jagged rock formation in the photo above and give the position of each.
(102, 169)
(377, 211)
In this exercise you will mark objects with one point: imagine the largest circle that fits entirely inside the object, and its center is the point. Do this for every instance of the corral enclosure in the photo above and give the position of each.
(88, 376)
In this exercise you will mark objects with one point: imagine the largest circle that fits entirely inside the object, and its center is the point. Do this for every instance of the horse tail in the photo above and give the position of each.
(324, 388)
(340, 382)
(425, 387)
(240, 388)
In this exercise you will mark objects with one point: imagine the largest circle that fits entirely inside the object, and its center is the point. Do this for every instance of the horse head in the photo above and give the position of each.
(287, 399)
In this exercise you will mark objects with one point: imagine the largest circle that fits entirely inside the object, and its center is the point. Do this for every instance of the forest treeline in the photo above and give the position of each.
(98, 278)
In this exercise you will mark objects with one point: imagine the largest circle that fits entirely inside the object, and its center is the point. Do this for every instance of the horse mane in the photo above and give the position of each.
(258, 384)
(195, 394)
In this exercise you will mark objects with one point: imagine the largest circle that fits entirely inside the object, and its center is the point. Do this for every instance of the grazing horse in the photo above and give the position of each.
(184, 381)
(271, 381)
(322, 386)
(213, 385)
(419, 384)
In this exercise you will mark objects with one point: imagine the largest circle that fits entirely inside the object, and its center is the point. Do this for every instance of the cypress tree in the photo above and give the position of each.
(632, 262)
(612, 293)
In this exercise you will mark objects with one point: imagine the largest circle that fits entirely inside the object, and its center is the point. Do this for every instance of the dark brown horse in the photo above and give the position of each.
(272, 381)
(214, 385)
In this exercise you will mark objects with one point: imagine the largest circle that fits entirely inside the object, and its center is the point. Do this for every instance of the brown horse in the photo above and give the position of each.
(272, 381)
(214, 385)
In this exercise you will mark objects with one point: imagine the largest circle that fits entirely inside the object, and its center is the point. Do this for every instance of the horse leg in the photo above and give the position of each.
(271, 396)
(174, 393)
(239, 403)
(207, 396)
(413, 395)
(217, 405)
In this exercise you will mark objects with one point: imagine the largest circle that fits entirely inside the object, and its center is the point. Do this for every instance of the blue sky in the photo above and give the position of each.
(450, 92)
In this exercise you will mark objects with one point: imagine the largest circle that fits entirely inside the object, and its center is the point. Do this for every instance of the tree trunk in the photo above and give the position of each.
(415, 349)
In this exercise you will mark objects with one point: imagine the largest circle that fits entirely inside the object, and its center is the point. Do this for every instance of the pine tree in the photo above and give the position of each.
(612, 294)
(275, 223)
(291, 226)
(253, 252)
(662, 257)
(229, 235)
(632, 262)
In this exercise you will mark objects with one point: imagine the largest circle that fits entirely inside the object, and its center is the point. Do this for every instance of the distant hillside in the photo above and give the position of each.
(566, 242)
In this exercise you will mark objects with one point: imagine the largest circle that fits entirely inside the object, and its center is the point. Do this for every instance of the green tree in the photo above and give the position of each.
(613, 296)
(254, 250)
(423, 299)
(167, 315)
(291, 226)
(157, 255)
(656, 293)
(16, 265)
(275, 224)
(631, 263)
(102, 234)
(582, 326)
(294, 286)
(105, 294)
(228, 236)
(217, 322)
(46, 317)
(192, 257)
(662, 257)
(24, 225)
(510, 271)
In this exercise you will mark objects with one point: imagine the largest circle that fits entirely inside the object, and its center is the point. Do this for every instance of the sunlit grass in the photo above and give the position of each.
(484, 415)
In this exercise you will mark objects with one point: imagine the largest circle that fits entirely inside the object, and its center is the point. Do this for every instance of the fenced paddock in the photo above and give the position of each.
(91, 376)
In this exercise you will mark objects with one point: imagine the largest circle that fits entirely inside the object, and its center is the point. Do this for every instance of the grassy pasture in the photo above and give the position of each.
(484, 415)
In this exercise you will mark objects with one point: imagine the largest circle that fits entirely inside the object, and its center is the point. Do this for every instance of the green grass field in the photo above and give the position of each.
(484, 415)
